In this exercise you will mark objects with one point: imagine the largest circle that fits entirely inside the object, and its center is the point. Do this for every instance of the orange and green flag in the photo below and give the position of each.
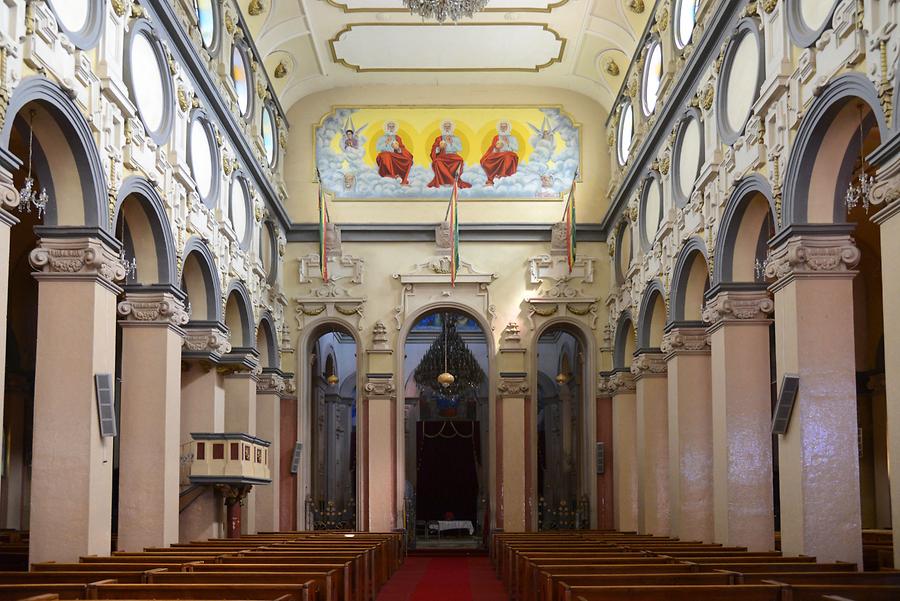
(323, 224)
(570, 225)
(454, 231)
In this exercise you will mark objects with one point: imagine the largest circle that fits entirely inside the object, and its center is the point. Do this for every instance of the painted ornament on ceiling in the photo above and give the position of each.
(416, 153)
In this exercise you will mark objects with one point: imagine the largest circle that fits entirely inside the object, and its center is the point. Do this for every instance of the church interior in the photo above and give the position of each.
(426, 300)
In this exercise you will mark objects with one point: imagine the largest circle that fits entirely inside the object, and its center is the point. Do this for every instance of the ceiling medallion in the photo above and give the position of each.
(441, 10)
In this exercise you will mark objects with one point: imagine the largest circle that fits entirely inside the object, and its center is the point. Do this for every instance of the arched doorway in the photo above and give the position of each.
(333, 434)
(563, 397)
(447, 428)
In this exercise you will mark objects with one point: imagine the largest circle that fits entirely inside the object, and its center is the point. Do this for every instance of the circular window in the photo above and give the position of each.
(268, 134)
(651, 211)
(688, 158)
(626, 132)
(149, 82)
(268, 244)
(241, 79)
(202, 158)
(807, 19)
(623, 252)
(239, 208)
(206, 21)
(739, 85)
(80, 20)
(652, 77)
(685, 18)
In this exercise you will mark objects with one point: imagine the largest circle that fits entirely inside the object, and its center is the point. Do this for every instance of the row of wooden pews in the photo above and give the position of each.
(295, 566)
(613, 566)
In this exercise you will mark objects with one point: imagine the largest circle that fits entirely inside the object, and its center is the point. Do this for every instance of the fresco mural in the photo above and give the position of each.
(498, 153)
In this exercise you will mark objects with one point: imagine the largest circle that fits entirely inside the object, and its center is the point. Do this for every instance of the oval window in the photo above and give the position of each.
(626, 132)
(206, 21)
(268, 134)
(201, 157)
(685, 20)
(652, 77)
(72, 15)
(149, 87)
(238, 208)
(239, 76)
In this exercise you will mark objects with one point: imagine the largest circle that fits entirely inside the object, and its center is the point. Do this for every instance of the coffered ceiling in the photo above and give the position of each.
(315, 45)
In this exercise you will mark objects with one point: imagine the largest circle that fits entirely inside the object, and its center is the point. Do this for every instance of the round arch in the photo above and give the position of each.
(75, 160)
(267, 342)
(159, 250)
(200, 280)
(743, 207)
(815, 170)
(624, 341)
(684, 285)
(649, 326)
(244, 312)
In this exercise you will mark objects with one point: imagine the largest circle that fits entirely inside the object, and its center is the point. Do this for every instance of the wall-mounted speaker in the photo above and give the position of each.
(106, 405)
(787, 394)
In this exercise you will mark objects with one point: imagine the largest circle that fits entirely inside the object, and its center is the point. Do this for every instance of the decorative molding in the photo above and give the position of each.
(209, 340)
(270, 383)
(648, 364)
(380, 337)
(513, 385)
(738, 305)
(77, 257)
(621, 382)
(380, 386)
(679, 341)
(336, 305)
(152, 308)
(806, 255)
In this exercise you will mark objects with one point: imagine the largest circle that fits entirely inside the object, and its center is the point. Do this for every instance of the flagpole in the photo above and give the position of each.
(323, 226)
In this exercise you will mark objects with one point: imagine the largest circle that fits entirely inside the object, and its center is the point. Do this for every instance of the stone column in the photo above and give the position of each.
(202, 410)
(71, 473)
(150, 421)
(381, 445)
(887, 191)
(651, 390)
(269, 389)
(624, 451)
(813, 269)
(514, 465)
(743, 512)
(240, 416)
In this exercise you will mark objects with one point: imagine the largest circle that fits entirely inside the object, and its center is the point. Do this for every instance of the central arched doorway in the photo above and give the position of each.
(447, 429)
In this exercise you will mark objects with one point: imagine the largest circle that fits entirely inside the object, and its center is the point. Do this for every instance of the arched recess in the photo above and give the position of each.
(200, 281)
(690, 281)
(747, 225)
(239, 315)
(142, 225)
(267, 342)
(827, 147)
(306, 379)
(489, 448)
(71, 168)
(587, 459)
(652, 317)
(623, 351)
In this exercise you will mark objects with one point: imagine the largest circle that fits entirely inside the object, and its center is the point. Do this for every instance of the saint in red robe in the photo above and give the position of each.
(499, 160)
(394, 162)
(446, 162)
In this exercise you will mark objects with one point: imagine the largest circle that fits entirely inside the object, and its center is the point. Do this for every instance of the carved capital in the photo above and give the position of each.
(731, 305)
(76, 256)
(685, 340)
(207, 340)
(805, 255)
(621, 382)
(152, 307)
(380, 386)
(270, 383)
(9, 196)
(887, 183)
(513, 385)
(648, 364)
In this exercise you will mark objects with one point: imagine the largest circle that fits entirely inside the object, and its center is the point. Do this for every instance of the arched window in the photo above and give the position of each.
(652, 77)
(684, 18)
(626, 132)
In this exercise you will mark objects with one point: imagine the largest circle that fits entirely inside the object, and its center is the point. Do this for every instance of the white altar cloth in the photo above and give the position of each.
(442, 525)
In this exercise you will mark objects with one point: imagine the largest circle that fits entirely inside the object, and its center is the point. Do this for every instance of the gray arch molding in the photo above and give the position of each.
(153, 207)
(681, 275)
(268, 323)
(744, 191)
(645, 313)
(621, 339)
(245, 307)
(210, 276)
(81, 141)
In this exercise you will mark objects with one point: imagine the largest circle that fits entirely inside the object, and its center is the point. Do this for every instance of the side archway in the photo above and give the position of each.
(690, 281)
(747, 225)
(652, 317)
(239, 315)
(267, 342)
(624, 347)
(200, 281)
(143, 227)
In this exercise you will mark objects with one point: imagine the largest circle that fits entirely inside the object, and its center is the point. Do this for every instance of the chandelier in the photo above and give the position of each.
(441, 10)
(860, 190)
(449, 368)
(29, 198)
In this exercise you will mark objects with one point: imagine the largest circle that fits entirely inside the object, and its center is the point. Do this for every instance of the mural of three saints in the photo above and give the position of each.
(498, 153)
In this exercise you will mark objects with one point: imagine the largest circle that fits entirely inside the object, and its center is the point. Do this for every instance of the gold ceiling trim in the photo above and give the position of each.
(544, 26)
(512, 9)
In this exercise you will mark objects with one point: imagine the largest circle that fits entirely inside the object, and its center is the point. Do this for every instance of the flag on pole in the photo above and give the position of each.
(323, 224)
(570, 225)
(452, 210)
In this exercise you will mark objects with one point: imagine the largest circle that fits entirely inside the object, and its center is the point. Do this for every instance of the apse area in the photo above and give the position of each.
(446, 408)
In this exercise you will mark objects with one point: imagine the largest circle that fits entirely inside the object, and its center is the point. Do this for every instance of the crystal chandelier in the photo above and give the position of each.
(29, 198)
(441, 10)
(860, 190)
(130, 267)
(449, 368)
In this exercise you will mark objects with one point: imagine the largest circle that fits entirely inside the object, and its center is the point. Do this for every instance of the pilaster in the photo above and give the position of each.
(515, 502)
(621, 386)
(270, 387)
(649, 371)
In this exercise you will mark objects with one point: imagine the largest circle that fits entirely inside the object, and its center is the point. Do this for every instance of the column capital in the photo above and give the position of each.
(750, 305)
(685, 341)
(380, 386)
(648, 364)
(77, 257)
(206, 340)
(513, 385)
(621, 382)
(270, 382)
(9, 196)
(886, 191)
(812, 251)
(152, 308)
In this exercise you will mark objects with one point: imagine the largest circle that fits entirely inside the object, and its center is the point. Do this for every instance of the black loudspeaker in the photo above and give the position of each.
(106, 405)
(295, 461)
(787, 394)
(601, 458)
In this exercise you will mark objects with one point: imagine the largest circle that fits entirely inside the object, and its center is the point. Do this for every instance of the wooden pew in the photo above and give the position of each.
(545, 579)
(74, 577)
(745, 568)
(744, 592)
(10, 592)
(342, 573)
(815, 592)
(519, 585)
(325, 580)
(359, 578)
(281, 592)
(107, 567)
(555, 591)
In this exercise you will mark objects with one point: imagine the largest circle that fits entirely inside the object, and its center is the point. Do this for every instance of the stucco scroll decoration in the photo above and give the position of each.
(9, 196)
(81, 256)
(732, 305)
(380, 387)
(207, 340)
(269, 383)
(813, 254)
(685, 340)
(646, 364)
(162, 308)
(887, 183)
(512, 387)
(621, 382)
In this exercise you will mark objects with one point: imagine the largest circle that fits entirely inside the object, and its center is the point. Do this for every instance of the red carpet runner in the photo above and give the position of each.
(444, 579)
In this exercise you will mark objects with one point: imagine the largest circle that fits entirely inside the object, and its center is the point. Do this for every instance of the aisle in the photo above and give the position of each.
(444, 579)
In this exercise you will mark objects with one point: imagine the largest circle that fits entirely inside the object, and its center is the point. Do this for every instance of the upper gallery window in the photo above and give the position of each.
(652, 77)
(149, 82)
(268, 134)
(80, 20)
(239, 208)
(202, 157)
(206, 21)
(685, 19)
(240, 78)
(626, 132)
